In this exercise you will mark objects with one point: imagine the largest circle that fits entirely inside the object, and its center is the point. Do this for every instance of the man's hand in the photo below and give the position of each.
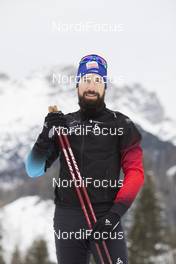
(107, 223)
(53, 119)
(46, 138)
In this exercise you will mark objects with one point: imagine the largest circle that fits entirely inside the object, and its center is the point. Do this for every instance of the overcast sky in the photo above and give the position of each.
(139, 40)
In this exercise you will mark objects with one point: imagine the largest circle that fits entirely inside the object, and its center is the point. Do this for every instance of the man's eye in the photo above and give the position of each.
(98, 80)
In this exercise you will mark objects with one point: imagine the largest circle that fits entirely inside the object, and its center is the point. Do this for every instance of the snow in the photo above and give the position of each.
(171, 172)
(144, 109)
(25, 220)
(168, 257)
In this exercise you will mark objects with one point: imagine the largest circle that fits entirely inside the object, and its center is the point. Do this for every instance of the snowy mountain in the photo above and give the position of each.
(25, 220)
(24, 104)
(145, 109)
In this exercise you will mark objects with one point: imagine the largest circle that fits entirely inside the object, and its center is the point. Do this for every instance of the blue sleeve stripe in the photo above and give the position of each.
(35, 168)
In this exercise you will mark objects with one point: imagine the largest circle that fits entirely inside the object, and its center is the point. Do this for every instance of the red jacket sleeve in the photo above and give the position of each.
(132, 166)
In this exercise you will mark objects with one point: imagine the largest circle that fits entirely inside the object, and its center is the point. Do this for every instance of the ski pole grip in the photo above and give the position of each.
(52, 109)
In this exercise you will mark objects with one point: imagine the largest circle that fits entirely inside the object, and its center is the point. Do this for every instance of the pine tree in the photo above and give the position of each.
(37, 253)
(16, 257)
(146, 236)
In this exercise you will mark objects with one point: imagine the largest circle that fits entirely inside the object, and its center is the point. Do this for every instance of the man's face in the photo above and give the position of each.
(91, 89)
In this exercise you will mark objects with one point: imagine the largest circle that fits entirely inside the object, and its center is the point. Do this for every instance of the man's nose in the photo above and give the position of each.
(91, 86)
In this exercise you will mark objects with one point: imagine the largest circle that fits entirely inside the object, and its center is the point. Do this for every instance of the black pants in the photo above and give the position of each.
(72, 245)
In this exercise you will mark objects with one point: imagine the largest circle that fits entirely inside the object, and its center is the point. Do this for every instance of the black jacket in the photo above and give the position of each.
(98, 155)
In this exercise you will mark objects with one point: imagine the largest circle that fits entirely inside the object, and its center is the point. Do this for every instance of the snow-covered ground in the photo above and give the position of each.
(25, 220)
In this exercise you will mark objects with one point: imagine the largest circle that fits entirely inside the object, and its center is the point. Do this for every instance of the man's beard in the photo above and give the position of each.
(89, 104)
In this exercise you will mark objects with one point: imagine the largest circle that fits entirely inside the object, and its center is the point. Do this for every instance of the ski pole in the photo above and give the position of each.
(79, 194)
(85, 192)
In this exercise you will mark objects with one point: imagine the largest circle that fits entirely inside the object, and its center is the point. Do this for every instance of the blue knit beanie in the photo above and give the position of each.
(92, 64)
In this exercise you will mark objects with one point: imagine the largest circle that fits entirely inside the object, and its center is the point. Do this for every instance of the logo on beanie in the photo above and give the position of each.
(92, 64)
